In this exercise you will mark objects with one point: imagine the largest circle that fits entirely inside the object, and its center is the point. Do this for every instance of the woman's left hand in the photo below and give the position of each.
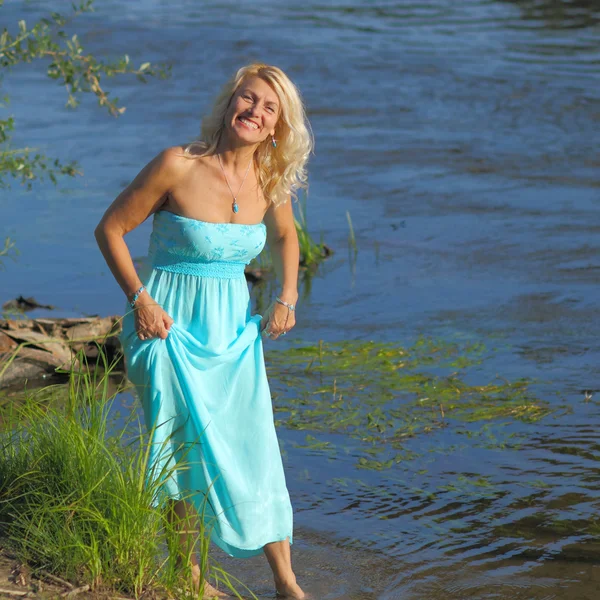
(278, 320)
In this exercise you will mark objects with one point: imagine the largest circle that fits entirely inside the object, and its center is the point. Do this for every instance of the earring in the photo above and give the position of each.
(273, 141)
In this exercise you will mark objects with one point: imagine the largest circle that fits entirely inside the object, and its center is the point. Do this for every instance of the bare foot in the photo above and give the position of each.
(209, 591)
(212, 592)
(290, 590)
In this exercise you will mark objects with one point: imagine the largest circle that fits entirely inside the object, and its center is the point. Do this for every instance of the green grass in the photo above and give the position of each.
(74, 499)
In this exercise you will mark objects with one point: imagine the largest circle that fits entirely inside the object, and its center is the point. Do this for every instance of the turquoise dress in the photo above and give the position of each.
(204, 389)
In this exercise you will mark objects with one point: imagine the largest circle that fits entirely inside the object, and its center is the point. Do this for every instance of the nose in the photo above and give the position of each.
(254, 110)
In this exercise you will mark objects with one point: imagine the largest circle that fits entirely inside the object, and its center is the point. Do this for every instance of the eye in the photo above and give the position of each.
(270, 109)
(246, 97)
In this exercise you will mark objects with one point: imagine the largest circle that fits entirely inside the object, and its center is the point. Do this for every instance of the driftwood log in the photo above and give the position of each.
(32, 349)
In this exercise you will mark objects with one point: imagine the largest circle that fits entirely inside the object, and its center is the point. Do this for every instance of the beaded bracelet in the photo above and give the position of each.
(290, 306)
(136, 295)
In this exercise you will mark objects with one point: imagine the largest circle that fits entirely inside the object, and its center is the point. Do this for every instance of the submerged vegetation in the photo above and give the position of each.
(380, 395)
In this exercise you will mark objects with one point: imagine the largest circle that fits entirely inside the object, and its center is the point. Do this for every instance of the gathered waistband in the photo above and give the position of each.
(222, 269)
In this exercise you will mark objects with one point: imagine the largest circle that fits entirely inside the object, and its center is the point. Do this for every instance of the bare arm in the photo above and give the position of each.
(142, 197)
(283, 242)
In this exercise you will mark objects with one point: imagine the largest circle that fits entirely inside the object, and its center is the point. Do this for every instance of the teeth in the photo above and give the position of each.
(249, 123)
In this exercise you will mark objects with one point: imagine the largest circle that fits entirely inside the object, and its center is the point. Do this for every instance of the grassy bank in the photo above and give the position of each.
(74, 502)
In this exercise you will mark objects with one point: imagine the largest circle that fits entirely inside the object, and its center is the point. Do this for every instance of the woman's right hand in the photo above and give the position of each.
(151, 321)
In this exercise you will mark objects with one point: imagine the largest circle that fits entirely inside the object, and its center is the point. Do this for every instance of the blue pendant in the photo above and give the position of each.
(235, 207)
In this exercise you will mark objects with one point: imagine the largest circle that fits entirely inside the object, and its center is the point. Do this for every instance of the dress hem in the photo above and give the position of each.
(247, 552)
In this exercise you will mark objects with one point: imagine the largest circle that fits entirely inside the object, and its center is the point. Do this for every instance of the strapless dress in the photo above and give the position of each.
(204, 389)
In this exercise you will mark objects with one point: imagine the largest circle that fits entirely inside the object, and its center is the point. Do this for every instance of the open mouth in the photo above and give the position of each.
(249, 124)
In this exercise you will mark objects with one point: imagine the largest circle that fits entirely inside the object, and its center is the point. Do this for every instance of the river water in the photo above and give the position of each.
(462, 139)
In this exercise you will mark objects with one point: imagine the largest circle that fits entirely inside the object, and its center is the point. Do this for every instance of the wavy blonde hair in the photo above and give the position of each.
(281, 171)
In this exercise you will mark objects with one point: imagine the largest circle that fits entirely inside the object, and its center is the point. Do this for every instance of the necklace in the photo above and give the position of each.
(234, 206)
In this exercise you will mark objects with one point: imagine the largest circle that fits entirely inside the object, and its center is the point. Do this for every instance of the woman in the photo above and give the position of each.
(192, 347)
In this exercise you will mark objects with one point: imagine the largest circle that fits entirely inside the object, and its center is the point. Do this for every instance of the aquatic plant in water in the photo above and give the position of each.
(381, 394)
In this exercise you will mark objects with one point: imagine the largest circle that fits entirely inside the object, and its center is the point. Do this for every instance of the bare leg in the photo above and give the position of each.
(184, 515)
(280, 559)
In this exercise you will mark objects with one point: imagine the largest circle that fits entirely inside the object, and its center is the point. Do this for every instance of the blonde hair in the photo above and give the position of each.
(281, 171)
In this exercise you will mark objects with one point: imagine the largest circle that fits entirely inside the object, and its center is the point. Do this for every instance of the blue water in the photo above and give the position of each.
(462, 139)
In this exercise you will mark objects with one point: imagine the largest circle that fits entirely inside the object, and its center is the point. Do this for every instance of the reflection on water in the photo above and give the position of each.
(462, 139)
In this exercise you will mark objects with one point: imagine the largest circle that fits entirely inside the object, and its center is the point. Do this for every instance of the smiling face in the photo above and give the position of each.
(253, 111)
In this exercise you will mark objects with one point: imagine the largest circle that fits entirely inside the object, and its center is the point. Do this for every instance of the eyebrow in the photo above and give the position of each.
(249, 91)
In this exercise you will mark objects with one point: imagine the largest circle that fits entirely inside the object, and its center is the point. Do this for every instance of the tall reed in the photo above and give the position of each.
(311, 253)
(351, 237)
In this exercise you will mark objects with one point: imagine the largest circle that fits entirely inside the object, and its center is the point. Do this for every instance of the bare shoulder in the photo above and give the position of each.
(173, 159)
(148, 190)
(176, 161)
